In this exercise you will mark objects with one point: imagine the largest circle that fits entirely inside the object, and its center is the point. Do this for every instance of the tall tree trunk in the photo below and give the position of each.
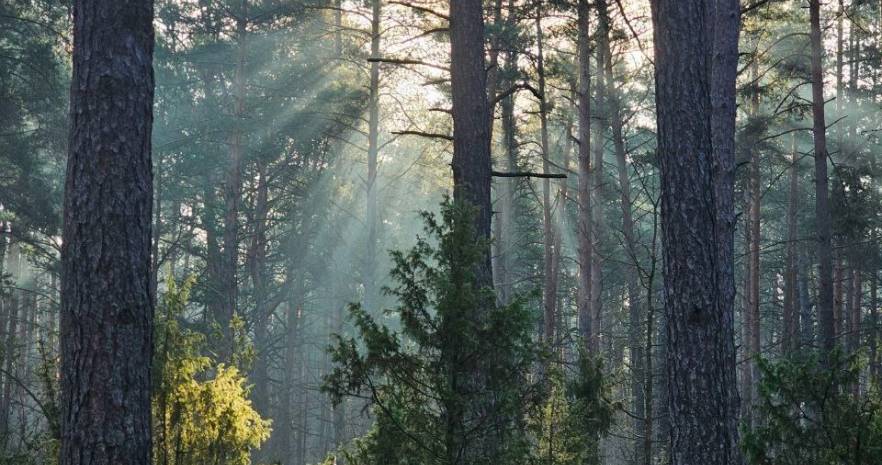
(696, 138)
(873, 335)
(506, 238)
(157, 230)
(549, 299)
(823, 218)
(480, 428)
(257, 269)
(635, 310)
(753, 295)
(371, 294)
(107, 308)
(233, 193)
(856, 319)
(586, 242)
(287, 449)
(11, 344)
(806, 320)
(791, 292)
(601, 118)
(649, 378)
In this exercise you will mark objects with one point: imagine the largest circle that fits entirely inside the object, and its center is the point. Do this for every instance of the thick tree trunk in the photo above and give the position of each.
(480, 429)
(823, 218)
(696, 129)
(586, 242)
(107, 308)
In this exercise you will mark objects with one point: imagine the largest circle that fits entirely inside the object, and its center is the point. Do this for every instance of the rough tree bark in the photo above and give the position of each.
(107, 309)
(476, 432)
(696, 57)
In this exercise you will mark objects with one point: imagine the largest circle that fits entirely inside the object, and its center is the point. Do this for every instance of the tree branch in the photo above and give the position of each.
(527, 174)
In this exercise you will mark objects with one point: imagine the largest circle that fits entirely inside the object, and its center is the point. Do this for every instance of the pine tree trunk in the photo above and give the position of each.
(480, 429)
(107, 308)
(371, 293)
(257, 268)
(791, 293)
(696, 129)
(823, 218)
(599, 115)
(549, 299)
(586, 243)
(233, 194)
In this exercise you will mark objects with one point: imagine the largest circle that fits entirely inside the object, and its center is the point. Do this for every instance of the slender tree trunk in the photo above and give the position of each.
(635, 311)
(549, 299)
(822, 203)
(856, 319)
(696, 138)
(371, 294)
(791, 292)
(838, 296)
(157, 231)
(874, 325)
(601, 117)
(257, 269)
(753, 295)
(649, 354)
(506, 238)
(806, 320)
(11, 344)
(107, 308)
(586, 243)
(232, 193)
(287, 448)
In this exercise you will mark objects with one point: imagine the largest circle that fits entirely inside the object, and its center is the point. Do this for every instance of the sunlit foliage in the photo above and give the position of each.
(202, 411)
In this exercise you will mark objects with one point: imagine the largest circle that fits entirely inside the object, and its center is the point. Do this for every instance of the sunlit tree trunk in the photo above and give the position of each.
(506, 237)
(696, 138)
(371, 294)
(107, 308)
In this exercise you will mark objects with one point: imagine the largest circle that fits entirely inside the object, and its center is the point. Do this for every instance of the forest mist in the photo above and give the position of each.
(335, 231)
